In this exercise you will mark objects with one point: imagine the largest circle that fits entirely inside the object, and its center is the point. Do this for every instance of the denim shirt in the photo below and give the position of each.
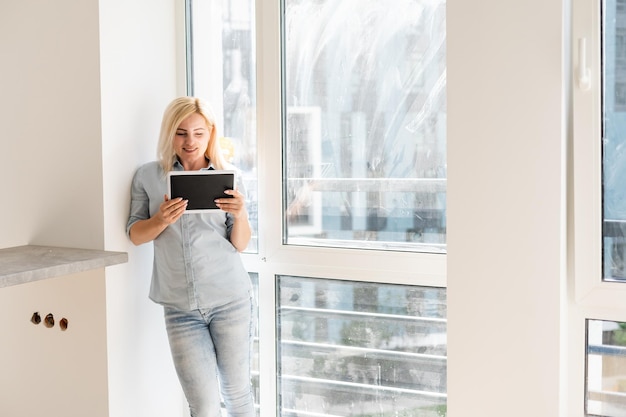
(195, 265)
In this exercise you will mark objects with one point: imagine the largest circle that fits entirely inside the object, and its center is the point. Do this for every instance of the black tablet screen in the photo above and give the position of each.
(201, 189)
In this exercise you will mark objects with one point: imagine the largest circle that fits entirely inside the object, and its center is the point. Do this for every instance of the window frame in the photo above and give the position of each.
(591, 298)
(275, 258)
(589, 288)
(365, 264)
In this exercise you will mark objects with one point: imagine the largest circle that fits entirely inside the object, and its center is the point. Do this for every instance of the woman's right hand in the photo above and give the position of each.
(171, 210)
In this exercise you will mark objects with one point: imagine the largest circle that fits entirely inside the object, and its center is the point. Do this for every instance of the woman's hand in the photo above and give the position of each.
(235, 205)
(146, 230)
(171, 210)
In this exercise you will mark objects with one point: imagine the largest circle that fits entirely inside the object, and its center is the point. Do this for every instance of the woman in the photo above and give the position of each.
(198, 275)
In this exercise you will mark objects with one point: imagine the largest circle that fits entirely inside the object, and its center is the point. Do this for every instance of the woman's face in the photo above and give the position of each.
(191, 140)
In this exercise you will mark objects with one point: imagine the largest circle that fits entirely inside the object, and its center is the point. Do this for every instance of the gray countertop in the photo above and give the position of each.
(22, 264)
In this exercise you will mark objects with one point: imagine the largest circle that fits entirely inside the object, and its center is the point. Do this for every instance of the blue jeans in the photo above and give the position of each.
(211, 345)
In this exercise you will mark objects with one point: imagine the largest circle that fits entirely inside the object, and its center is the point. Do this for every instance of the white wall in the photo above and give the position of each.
(138, 79)
(46, 371)
(50, 113)
(505, 208)
(52, 195)
(83, 85)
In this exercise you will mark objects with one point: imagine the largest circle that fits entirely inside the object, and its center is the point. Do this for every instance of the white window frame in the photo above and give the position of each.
(589, 289)
(275, 258)
(402, 268)
(590, 296)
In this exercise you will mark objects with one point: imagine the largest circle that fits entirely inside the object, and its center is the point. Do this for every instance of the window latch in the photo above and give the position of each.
(584, 73)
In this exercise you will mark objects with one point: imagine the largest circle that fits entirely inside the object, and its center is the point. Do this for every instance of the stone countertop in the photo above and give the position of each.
(22, 264)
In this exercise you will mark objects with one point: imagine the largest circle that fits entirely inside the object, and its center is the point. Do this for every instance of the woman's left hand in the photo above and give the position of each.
(235, 205)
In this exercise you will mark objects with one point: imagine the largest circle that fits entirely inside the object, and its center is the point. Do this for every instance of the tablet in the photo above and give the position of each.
(201, 188)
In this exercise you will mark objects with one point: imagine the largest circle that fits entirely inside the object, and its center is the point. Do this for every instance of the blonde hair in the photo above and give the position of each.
(177, 111)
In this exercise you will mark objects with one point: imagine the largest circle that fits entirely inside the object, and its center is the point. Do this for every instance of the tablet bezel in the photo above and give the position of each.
(212, 190)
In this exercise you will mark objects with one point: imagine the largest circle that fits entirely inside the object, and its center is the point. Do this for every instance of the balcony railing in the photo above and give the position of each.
(337, 362)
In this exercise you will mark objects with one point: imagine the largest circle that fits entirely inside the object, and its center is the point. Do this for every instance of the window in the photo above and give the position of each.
(599, 167)
(599, 217)
(614, 141)
(221, 66)
(365, 136)
(606, 368)
(353, 348)
(605, 341)
(342, 145)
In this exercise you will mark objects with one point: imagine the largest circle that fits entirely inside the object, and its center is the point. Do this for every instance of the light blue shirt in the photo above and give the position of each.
(195, 265)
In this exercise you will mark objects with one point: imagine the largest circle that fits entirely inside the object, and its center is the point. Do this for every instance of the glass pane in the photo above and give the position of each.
(255, 352)
(365, 138)
(614, 139)
(360, 349)
(606, 368)
(222, 69)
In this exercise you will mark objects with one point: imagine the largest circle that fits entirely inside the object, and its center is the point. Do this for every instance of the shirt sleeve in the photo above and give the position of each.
(139, 202)
(230, 220)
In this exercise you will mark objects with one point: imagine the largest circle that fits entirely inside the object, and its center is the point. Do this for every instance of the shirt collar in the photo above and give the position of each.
(177, 166)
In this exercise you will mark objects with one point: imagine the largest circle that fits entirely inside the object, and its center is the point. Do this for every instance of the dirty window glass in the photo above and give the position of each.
(606, 368)
(614, 139)
(358, 349)
(365, 124)
(221, 68)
